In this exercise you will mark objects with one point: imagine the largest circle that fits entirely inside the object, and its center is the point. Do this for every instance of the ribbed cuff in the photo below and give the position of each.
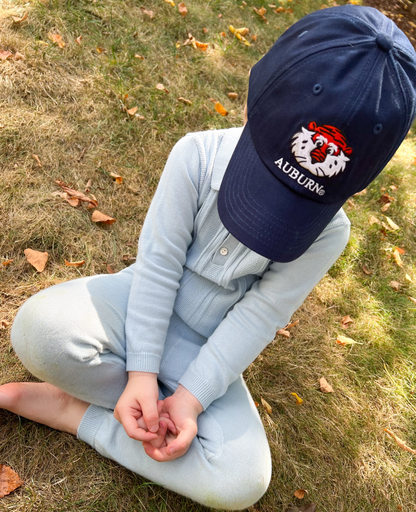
(90, 424)
(198, 387)
(142, 362)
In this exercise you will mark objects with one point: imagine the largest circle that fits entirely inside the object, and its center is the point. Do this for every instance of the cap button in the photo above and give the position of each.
(384, 41)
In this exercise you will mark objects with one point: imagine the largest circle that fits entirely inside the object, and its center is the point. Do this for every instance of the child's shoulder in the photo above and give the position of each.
(209, 141)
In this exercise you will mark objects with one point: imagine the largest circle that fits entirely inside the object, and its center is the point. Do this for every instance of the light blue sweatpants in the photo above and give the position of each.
(72, 335)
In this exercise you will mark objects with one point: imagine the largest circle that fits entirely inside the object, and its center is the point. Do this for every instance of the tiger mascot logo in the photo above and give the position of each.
(322, 150)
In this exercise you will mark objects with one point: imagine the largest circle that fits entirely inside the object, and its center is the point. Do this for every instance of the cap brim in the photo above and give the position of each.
(263, 213)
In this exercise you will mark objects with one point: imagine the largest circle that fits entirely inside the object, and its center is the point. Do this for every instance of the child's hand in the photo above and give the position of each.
(139, 400)
(183, 409)
(167, 430)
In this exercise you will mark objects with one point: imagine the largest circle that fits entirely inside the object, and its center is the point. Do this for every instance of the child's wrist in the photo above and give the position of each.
(141, 375)
(183, 394)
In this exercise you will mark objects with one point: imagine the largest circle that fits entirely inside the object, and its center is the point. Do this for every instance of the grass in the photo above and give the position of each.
(67, 106)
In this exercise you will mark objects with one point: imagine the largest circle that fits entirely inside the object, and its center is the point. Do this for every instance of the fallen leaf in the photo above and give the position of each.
(149, 13)
(240, 33)
(283, 332)
(408, 278)
(100, 49)
(386, 198)
(254, 37)
(232, 95)
(183, 11)
(161, 87)
(223, 34)
(292, 324)
(184, 100)
(345, 321)
(343, 340)
(17, 20)
(351, 203)
(400, 250)
(7, 262)
(395, 285)
(19, 56)
(256, 404)
(57, 39)
(201, 46)
(9, 480)
(392, 224)
(5, 55)
(132, 111)
(366, 270)
(220, 109)
(397, 259)
(78, 40)
(4, 324)
(361, 193)
(126, 257)
(171, 2)
(205, 30)
(75, 193)
(385, 207)
(74, 263)
(400, 442)
(373, 220)
(110, 270)
(300, 493)
(412, 299)
(324, 386)
(298, 398)
(97, 216)
(37, 259)
(117, 177)
(266, 405)
(261, 12)
(37, 160)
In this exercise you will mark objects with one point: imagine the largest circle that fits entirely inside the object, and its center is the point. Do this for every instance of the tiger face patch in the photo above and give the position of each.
(322, 150)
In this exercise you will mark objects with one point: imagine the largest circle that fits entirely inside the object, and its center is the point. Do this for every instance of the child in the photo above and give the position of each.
(145, 365)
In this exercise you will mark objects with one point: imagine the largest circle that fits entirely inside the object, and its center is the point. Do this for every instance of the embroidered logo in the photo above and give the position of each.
(322, 150)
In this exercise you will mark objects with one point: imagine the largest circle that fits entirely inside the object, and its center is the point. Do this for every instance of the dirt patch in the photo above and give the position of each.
(400, 12)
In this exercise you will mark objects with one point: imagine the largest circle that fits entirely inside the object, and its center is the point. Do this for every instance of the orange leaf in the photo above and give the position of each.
(400, 442)
(117, 177)
(220, 109)
(9, 480)
(74, 193)
(5, 54)
(97, 216)
(4, 324)
(37, 259)
(324, 386)
(37, 160)
(202, 46)
(292, 324)
(397, 259)
(300, 493)
(7, 262)
(110, 270)
(74, 263)
(261, 12)
(132, 111)
(184, 100)
(205, 30)
(100, 50)
(57, 39)
(183, 11)
(78, 40)
(19, 20)
(401, 251)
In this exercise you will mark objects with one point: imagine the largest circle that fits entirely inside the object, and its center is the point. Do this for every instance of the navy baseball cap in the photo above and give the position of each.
(328, 106)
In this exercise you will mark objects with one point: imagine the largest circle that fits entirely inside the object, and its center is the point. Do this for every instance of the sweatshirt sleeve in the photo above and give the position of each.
(165, 237)
(252, 323)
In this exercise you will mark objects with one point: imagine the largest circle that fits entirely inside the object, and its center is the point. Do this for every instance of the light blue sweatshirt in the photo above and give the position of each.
(189, 264)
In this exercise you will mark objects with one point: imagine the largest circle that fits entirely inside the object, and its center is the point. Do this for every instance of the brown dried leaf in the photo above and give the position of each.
(283, 332)
(88, 186)
(148, 12)
(232, 95)
(110, 270)
(183, 11)
(362, 193)
(410, 298)
(74, 263)
(397, 259)
(261, 12)
(117, 177)
(137, 56)
(220, 109)
(400, 442)
(292, 324)
(345, 321)
(205, 30)
(78, 40)
(184, 100)
(395, 285)
(386, 198)
(57, 39)
(37, 160)
(366, 270)
(324, 386)
(393, 225)
(132, 111)
(97, 216)
(9, 480)
(76, 194)
(19, 56)
(385, 207)
(5, 54)
(7, 262)
(266, 405)
(161, 87)
(4, 324)
(373, 220)
(300, 493)
(37, 259)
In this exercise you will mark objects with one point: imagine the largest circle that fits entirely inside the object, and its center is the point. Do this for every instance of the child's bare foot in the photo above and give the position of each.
(44, 404)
